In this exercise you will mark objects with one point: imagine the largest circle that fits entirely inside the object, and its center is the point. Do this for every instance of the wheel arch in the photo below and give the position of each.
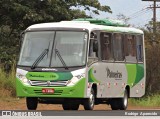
(94, 86)
(128, 90)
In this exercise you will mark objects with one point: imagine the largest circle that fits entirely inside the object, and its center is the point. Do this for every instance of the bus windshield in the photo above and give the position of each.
(71, 47)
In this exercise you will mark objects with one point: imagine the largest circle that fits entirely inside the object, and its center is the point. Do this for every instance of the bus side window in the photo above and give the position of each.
(93, 46)
(130, 48)
(139, 45)
(106, 46)
(118, 47)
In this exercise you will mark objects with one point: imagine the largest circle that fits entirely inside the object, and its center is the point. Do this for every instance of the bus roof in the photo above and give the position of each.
(84, 25)
(105, 22)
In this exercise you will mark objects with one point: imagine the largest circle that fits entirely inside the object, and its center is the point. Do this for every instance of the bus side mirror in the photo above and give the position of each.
(22, 35)
(95, 46)
(21, 39)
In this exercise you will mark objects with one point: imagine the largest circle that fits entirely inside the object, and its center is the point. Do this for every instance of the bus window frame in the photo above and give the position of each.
(122, 46)
(142, 53)
(136, 62)
(96, 58)
(123, 40)
(112, 53)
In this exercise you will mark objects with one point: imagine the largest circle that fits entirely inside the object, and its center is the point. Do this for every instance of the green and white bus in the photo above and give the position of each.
(84, 61)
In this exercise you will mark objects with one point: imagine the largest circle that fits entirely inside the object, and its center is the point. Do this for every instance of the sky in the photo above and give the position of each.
(135, 9)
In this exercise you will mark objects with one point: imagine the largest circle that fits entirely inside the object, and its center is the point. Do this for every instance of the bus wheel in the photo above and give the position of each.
(120, 103)
(124, 101)
(32, 103)
(70, 106)
(89, 102)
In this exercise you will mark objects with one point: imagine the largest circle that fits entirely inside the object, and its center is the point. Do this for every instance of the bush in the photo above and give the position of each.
(7, 83)
(153, 69)
(152, 100)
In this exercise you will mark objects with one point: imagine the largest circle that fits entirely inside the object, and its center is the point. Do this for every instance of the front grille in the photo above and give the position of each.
(47, 83)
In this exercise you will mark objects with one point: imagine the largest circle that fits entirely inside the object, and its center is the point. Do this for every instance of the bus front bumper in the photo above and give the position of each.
(76, 91)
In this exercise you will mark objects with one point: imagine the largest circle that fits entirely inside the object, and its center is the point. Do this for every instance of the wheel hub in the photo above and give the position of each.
(91, 99)
(125, 100)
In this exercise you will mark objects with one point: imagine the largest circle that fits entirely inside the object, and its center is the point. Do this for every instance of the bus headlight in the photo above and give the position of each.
(23, 79)
(74, 80)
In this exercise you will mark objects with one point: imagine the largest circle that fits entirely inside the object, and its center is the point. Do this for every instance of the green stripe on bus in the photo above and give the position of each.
(49, 75)
(131, 70)
(140, 73)
(91, 76)
(135, 73)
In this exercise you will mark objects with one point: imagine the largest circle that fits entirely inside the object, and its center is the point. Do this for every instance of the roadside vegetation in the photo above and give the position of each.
(147, 101)
(7, 83)
(18, 15)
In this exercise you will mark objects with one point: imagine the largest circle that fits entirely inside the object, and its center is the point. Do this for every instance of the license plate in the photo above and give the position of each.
(48, 91)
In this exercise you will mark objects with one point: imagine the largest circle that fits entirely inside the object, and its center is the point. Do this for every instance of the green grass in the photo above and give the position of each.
(148, 101)
(7, 83)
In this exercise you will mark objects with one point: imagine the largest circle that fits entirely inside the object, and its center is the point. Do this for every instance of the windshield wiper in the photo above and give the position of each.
(39, 59)
(61, 59)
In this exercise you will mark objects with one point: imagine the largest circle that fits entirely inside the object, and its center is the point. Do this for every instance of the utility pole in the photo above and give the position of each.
(154, 18)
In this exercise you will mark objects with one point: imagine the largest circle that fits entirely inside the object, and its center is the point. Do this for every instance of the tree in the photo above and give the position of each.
(123, 18)
(17, 15)
(27, 12)
(152, 58)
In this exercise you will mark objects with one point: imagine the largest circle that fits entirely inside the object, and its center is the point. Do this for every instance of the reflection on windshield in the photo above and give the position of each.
(71, 46)
(34, 44)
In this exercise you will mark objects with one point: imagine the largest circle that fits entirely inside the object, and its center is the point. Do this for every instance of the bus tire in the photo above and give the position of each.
(68, 106)
(32, 103)
(75, 106)
(120, 103)
(89, 102)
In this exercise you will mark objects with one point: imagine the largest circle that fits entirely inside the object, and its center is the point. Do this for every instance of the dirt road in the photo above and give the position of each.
(20, 104)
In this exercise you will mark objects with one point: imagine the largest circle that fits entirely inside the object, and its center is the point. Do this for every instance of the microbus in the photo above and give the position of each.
(81, 62)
